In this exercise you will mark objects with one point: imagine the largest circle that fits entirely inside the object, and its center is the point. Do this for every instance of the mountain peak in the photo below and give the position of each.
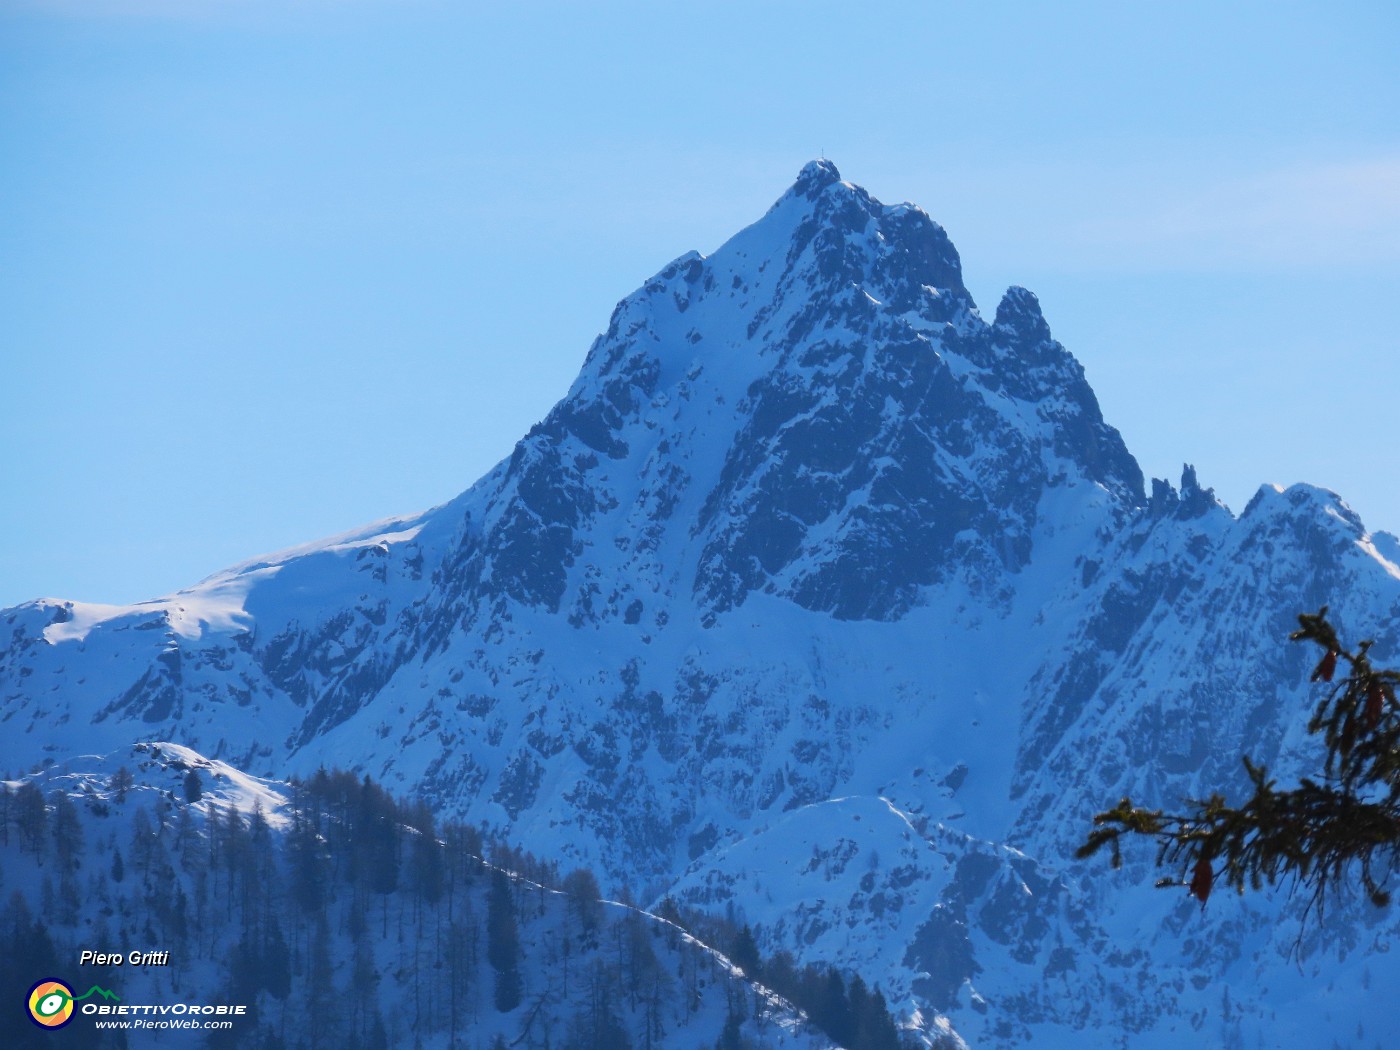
(815, 176)
(1019, 313)
(830, 235)
(838, 406)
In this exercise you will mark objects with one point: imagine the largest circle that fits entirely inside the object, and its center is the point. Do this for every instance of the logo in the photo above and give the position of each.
(51, 1002)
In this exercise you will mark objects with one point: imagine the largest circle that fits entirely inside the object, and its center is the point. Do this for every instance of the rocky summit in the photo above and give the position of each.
(822, 600)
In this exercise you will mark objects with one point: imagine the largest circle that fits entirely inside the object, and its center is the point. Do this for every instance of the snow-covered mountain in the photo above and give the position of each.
(823, 598)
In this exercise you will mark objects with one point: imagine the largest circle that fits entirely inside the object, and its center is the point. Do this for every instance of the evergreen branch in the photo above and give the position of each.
(1315, 834)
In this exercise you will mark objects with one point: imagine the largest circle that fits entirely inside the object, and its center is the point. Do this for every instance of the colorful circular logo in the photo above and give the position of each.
(51, 1004)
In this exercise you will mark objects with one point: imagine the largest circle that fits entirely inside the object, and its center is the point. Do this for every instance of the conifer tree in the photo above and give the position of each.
(731, 1038)
(309, 866)
(1330, 831)
(143, 841)
(67, 831)
(581, 888)
(276, 962)
(31, 816)
(119, 783)
(743, 953)
(187, 842)
(427, 856)
(503, 942)
(321, 992)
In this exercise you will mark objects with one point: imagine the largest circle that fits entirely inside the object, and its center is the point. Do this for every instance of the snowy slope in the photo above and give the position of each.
(809, 539)
(174, 855)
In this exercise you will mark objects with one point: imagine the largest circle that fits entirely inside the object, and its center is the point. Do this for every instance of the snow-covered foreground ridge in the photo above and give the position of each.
(335, 915)
(822, 596)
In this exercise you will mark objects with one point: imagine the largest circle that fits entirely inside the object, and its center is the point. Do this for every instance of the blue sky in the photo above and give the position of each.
(272, 270)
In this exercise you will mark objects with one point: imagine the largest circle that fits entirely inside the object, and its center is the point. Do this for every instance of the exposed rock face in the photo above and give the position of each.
(820, 597)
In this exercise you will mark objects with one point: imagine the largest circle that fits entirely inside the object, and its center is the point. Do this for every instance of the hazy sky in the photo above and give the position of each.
(269, 270)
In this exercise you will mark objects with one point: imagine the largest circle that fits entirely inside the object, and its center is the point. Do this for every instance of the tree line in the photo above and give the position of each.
(361, 922)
